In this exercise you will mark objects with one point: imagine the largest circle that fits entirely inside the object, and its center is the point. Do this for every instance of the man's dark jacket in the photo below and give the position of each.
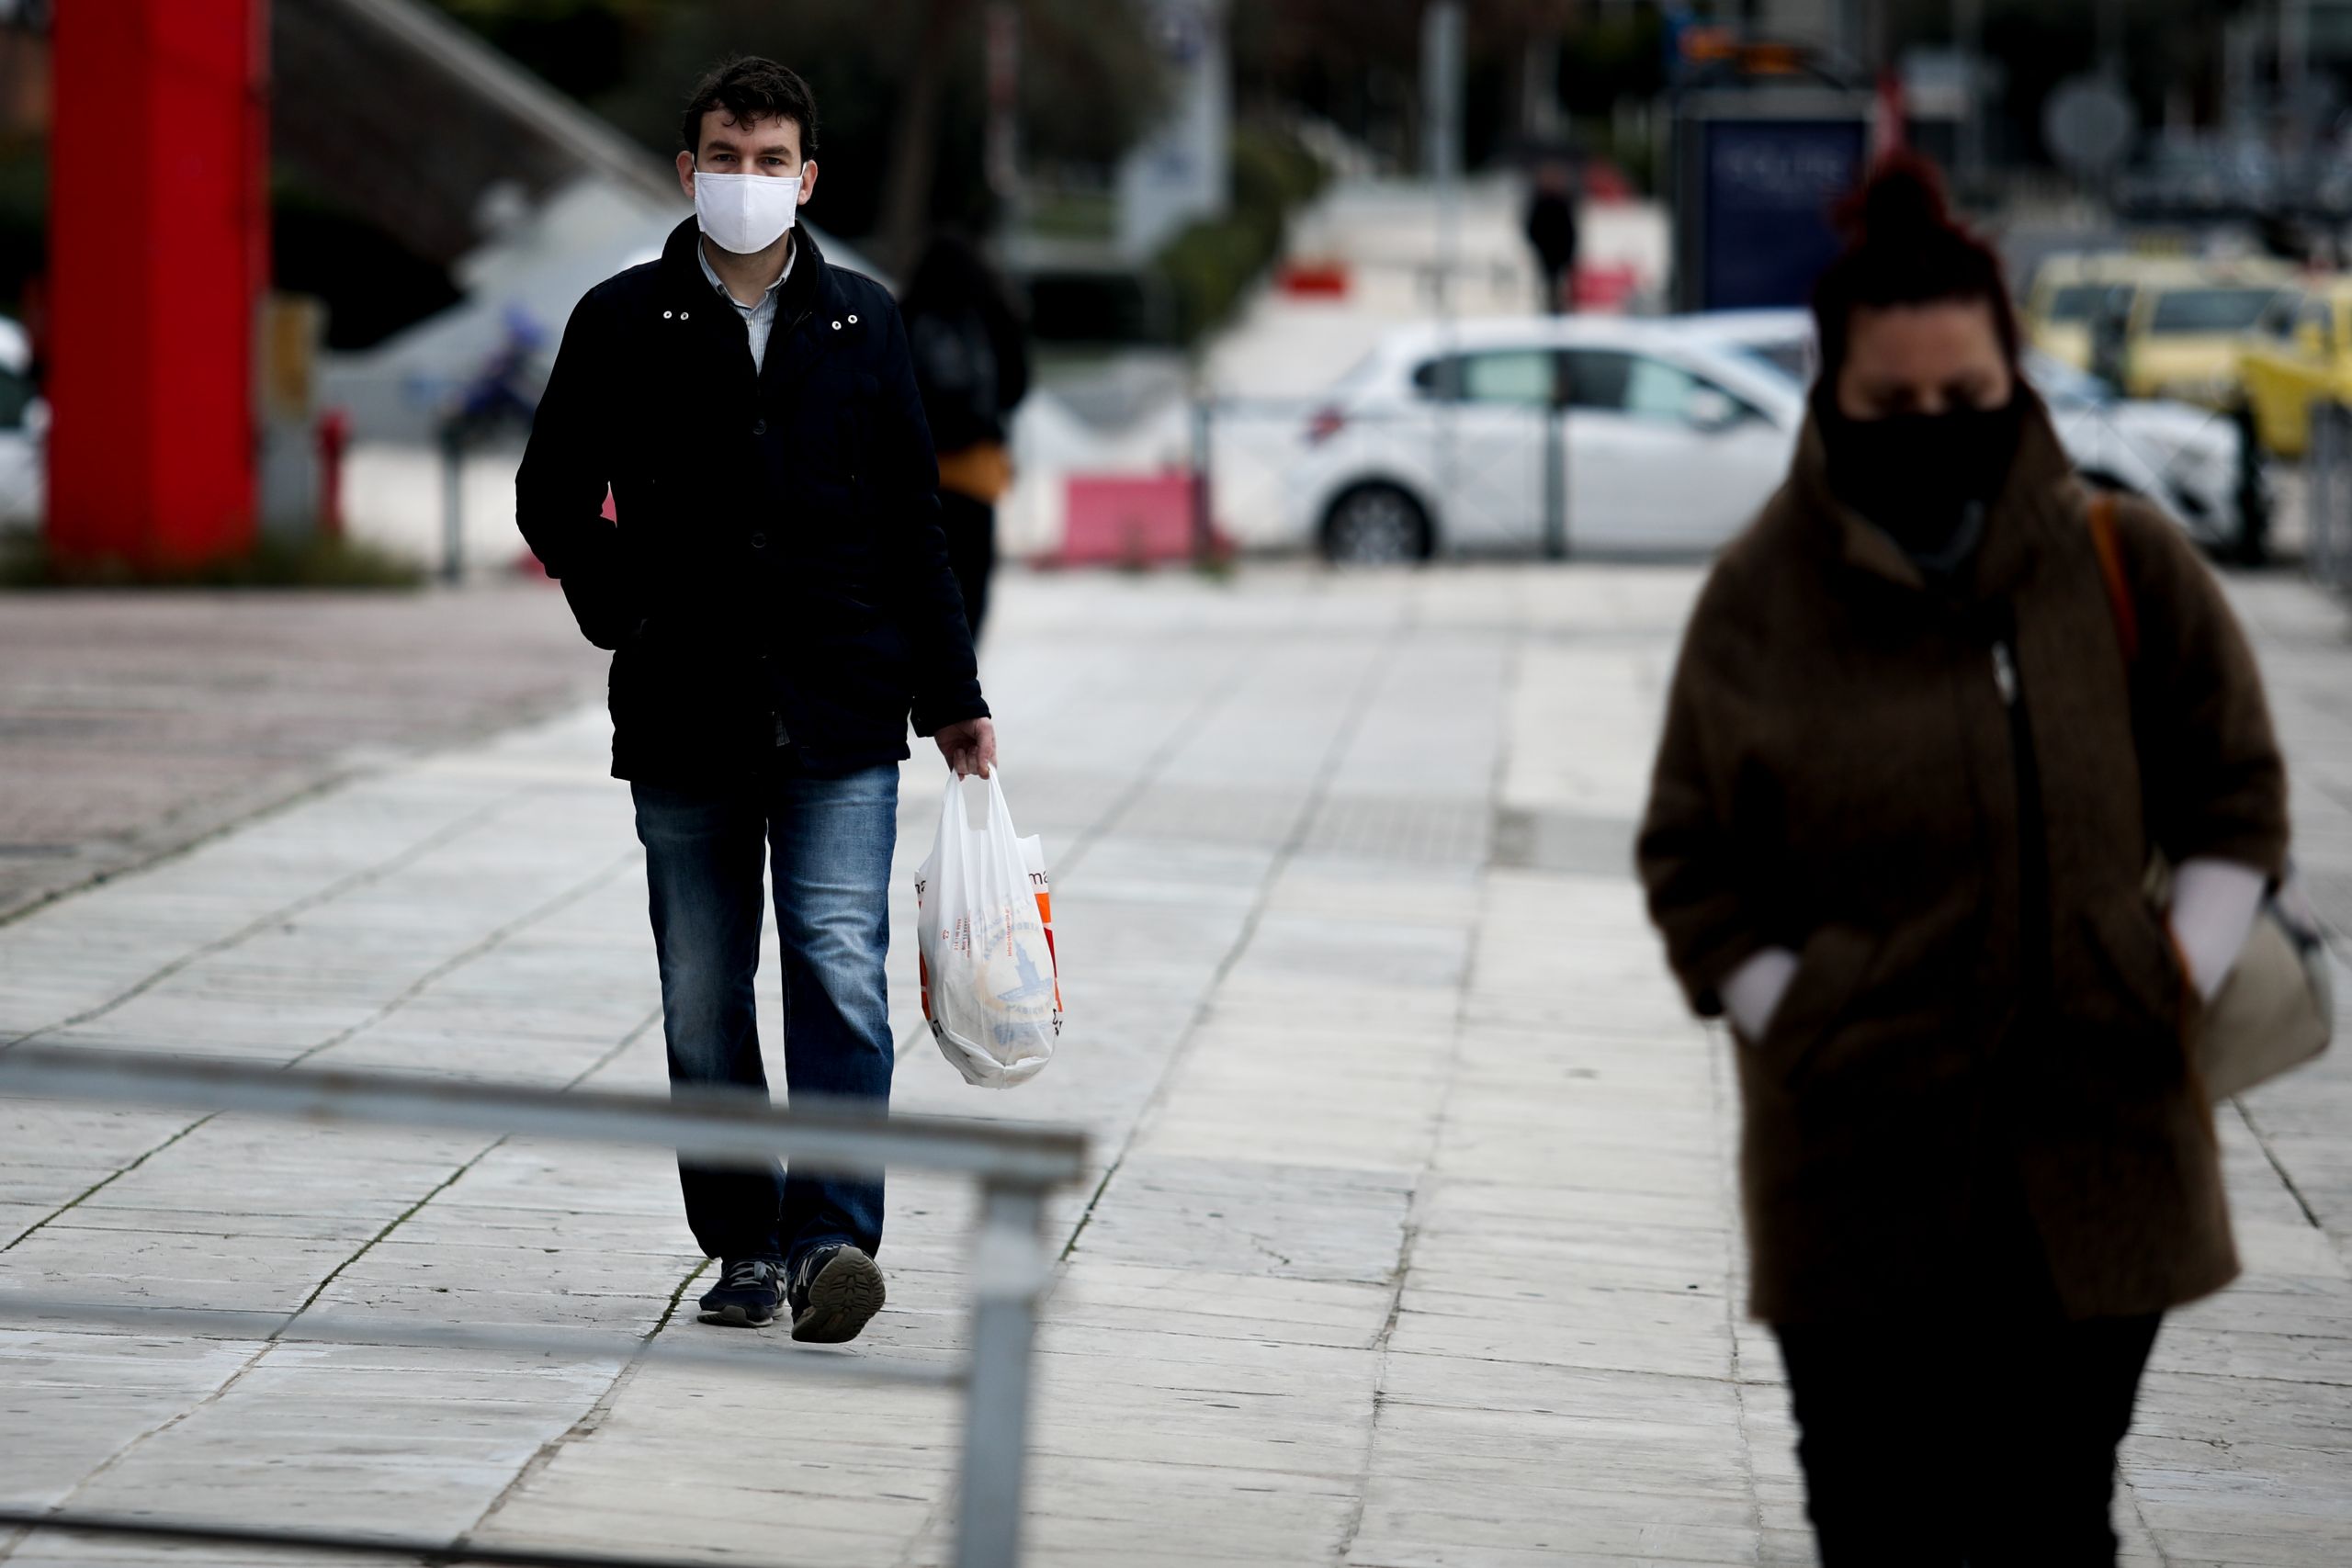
(776, 568)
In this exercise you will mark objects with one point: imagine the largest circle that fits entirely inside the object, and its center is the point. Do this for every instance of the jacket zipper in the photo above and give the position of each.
(2005, 675)
(776, 717)
(2033, 846)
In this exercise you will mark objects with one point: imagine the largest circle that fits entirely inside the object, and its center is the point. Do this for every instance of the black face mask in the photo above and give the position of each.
(1918, 476)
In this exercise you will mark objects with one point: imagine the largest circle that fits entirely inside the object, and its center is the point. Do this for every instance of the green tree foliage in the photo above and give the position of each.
(1090, 85)
(1357, 63)
(584, 47)
(1612, 53)
(1205, 268)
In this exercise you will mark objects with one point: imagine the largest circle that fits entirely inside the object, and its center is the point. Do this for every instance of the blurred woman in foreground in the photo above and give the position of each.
(1902, 810)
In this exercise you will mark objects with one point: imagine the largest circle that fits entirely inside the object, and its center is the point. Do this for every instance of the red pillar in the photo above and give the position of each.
(159, 250)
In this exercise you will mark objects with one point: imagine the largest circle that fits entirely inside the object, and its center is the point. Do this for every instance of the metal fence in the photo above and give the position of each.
(1014, 1166)
(1676, 479)
(2327, 515)
(1288, 473)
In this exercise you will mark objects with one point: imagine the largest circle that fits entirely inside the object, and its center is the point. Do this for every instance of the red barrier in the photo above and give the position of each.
(1127, 520)
(1314, 279)
(1606, 290)
(159, 250)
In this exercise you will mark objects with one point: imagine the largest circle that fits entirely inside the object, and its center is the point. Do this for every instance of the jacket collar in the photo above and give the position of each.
(681, 276)
(2037, 495)
(809, 298)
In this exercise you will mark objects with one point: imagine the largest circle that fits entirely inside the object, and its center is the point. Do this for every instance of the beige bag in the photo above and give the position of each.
(2277, 1009)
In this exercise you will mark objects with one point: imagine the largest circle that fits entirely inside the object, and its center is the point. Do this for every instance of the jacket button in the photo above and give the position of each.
(759, 427)
(759, 541)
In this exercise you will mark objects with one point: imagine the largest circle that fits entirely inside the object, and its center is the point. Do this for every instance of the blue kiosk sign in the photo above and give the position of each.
(1756, 177)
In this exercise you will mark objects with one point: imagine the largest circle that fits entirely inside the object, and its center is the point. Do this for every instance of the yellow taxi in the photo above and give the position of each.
(2190, 324)
(2309, 357)
(2071, 291)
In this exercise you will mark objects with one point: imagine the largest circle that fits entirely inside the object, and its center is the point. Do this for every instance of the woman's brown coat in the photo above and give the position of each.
(1963, 1077)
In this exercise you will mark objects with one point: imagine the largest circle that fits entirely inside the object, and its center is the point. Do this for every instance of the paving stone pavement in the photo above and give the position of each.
(1411, 1241)
(134, 723)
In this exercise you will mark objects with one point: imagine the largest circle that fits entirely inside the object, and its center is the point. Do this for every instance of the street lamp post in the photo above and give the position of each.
(1441, 160)
(1968, 41)
(2294, 73)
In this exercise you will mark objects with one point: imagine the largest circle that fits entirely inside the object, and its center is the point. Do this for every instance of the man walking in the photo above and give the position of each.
(776, 591)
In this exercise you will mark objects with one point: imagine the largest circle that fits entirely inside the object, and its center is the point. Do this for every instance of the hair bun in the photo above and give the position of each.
(1902, 203)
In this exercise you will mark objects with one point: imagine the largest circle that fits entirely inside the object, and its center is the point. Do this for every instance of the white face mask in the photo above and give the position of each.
(745, 213)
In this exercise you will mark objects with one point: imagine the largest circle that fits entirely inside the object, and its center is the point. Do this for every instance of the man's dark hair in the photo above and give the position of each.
(749, 87)
(1904, 247)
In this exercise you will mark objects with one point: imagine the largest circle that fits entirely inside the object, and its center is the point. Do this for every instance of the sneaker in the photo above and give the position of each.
(835, 1292)
(747, 1294)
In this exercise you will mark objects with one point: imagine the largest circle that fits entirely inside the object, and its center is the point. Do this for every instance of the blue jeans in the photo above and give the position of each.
(829, 841)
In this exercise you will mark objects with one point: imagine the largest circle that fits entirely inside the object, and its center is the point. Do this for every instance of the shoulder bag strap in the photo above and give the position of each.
(2111, 568)
(2126, 615)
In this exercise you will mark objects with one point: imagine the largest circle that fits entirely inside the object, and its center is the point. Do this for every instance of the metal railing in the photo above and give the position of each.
(1015, 1167)
(1283, 472)
(2327, 523)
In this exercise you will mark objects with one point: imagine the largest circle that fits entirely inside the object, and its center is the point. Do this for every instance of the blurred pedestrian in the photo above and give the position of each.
(2110, 334)
(1902, 809)
(1552, 231)
(776, 593)
(501, 396)
(971, 360)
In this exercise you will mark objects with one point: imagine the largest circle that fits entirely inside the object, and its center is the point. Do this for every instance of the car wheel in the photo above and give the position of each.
(1375, 525)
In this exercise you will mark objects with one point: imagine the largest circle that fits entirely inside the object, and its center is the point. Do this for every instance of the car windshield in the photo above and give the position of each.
(2181, 311)
(1791, 358)
(2076, 302)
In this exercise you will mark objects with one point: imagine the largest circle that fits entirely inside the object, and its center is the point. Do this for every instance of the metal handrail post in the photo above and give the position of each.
(2324, 473)
(1015, 1167)
(729, 1126)
(1009, 1274)
(2334, 536)
(453, 502)
(1555, 480)
(1203, 518)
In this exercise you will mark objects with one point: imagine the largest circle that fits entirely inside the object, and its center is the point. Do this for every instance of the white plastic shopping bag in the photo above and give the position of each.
(991, 992)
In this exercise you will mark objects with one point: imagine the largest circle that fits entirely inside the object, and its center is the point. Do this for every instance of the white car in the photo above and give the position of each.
(1626, 436)
(23, 420)
(2185, 458)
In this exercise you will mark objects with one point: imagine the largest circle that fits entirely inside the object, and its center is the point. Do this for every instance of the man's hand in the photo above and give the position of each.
(969, 747)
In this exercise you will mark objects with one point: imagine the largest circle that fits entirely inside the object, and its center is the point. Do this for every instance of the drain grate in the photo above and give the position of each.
(1572, 841)
(1392, 827)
